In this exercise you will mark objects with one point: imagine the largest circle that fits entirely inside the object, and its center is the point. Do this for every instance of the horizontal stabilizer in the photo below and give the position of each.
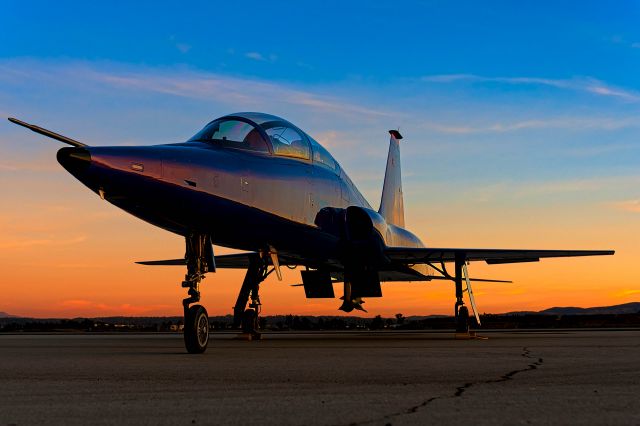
(500, 261)
(478, 280)
(427, 278)
(168, 262)
(409, 275)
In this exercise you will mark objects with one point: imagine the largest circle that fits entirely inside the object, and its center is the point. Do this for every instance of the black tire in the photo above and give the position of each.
(462, 322)
(250, 321)
(196, 329)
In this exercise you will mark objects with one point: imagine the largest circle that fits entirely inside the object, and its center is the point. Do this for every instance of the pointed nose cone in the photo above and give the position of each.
(75, 160)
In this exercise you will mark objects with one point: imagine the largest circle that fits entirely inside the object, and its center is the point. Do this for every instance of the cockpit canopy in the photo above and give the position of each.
(254, 131)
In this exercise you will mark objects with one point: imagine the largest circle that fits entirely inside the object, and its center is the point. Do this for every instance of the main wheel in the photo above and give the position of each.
(462, 322)
(196, 329)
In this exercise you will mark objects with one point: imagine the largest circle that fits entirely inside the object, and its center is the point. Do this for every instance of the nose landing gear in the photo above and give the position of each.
(200, 260)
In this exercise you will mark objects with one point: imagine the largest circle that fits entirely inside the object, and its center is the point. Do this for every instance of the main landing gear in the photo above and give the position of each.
(200, 260)
(461, 311)
(247, 318)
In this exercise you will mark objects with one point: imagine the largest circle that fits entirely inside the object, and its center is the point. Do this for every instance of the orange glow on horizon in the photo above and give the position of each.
(69, 254)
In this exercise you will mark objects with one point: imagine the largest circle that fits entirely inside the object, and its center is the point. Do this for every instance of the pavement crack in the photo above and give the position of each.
(460, 390)
(526, 353)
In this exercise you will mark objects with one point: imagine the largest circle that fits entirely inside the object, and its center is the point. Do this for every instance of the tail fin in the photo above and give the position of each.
(392, 204)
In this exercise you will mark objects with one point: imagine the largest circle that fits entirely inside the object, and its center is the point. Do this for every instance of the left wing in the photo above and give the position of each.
(491, 256)
(230, 261)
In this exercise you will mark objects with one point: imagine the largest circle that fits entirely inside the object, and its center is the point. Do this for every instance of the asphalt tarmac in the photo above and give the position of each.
(354, 378)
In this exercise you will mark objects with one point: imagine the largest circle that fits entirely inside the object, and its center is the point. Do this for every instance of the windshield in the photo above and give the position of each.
(232, 134)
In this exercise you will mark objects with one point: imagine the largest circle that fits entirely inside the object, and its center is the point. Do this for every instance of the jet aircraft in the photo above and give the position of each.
(255, 182)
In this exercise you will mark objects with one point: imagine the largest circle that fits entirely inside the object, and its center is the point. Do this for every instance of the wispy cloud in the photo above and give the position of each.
(584, 185)
(29, 167)
(304, 65)
(618, 39)
(581, 84)
(99, 308)
(256, 56)
(58, 265)
(209, 86)
(181, 46)
(250, 93)
(628, 205)
(452, 78)
(569, 123)
(627, 292)
(45, 241)
(527, 189)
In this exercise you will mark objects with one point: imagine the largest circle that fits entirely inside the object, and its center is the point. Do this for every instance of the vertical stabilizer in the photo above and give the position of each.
(392, 204)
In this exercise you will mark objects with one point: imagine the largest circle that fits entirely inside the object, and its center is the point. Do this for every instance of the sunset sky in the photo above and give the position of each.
(521, 125)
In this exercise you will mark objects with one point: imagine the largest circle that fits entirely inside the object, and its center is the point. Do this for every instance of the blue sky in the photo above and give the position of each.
(517, 92)
(521, 119)
(336, 41)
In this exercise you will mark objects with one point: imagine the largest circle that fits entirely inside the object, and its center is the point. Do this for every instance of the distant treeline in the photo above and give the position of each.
(310, 323)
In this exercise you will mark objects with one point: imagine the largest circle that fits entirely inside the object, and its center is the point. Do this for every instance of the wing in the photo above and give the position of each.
(225, 261)
(491, 256)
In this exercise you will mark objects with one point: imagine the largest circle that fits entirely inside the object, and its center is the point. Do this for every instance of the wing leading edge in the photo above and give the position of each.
(224, 261)
(490, 256)
(407, 255)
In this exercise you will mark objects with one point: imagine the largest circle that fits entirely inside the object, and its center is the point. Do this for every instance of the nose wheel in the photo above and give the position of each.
(196, 329)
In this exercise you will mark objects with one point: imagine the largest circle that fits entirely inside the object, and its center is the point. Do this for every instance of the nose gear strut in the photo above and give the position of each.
(200, 260)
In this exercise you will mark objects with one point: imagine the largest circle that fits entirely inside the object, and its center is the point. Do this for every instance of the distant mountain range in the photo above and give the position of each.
(6, 315)
(625, 308)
